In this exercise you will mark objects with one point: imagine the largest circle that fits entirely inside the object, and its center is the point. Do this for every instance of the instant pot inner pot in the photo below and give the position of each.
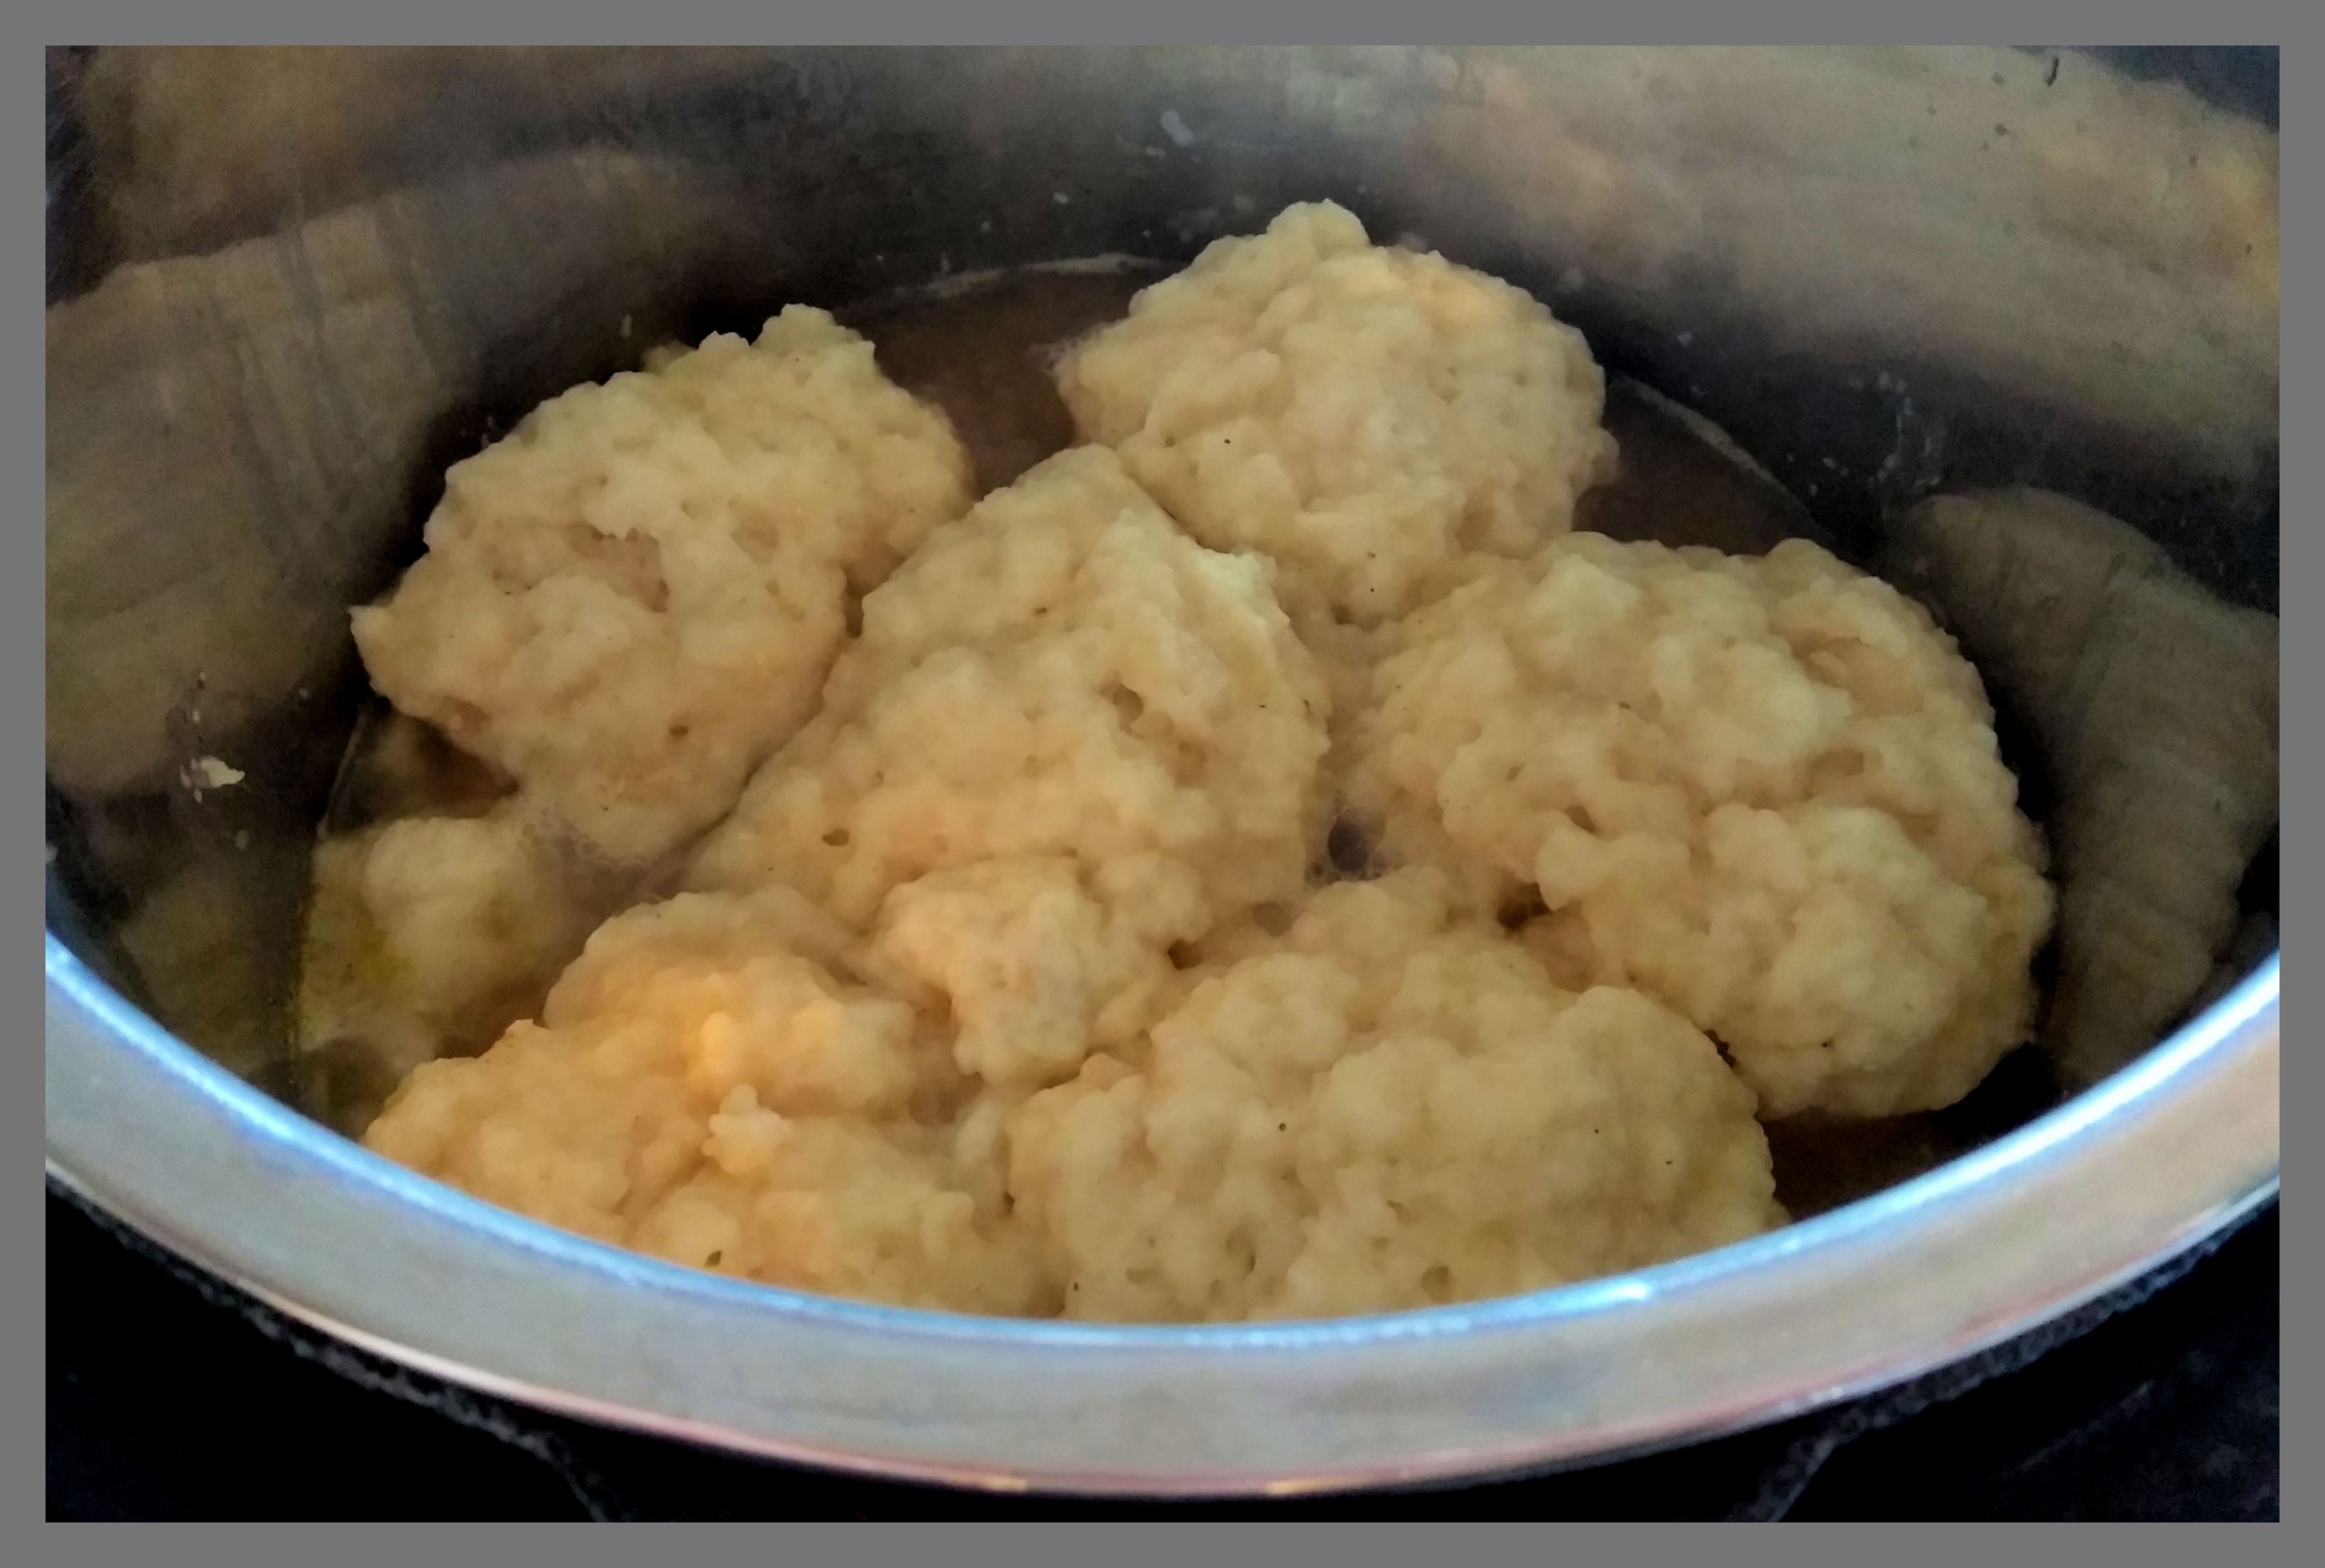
(287, 289)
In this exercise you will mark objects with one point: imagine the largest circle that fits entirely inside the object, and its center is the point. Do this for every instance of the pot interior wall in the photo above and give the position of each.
(288, 287)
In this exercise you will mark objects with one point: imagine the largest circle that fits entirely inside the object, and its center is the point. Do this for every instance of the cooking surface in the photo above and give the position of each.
(167, 1400)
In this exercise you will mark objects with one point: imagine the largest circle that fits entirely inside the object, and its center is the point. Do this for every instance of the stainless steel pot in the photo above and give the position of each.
(287, 287)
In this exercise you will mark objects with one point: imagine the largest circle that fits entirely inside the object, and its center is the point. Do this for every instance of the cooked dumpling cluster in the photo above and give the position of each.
(1005, 971)
(1764, 791)
(631, 599)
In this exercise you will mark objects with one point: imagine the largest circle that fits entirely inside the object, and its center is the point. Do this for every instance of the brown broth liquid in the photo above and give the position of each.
(982, 348)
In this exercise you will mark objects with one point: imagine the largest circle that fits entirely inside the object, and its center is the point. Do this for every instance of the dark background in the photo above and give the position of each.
(170, 1397)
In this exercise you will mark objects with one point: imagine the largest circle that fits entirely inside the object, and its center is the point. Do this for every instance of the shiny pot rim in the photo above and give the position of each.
(2149, 1163)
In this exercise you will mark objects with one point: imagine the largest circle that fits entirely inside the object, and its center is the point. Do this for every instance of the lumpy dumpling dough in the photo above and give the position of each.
(1764, 791)
(1387, 1107)
(741, 1082)
(711, 1083)
(631, 599)
(1006, 1099)
(1063, 673)
(1367, 416)
(1006, 985)
(432, 934)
